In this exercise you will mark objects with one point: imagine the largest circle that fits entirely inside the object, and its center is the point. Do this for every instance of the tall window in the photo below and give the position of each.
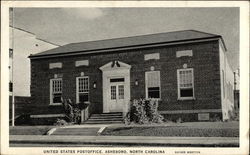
(153, 84)
(185, 83)
(82, 91)
(55, 91)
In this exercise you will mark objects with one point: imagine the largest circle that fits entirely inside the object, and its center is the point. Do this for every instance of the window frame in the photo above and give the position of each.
(77, 88)
(146, 84)
(178, 84)
(51, 90)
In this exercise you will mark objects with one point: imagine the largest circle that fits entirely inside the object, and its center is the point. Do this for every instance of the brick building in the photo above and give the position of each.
(186, 70)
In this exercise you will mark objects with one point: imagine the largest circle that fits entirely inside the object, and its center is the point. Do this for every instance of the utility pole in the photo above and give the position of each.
(12, 69)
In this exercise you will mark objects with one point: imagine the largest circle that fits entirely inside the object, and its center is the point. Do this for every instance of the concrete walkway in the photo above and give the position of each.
(126, 140)
(84, 129)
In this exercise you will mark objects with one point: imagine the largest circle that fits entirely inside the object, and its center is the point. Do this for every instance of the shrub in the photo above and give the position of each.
(151, 108)
(60, 122)
(233, 115)
(72, 111)
(215, 118)
(143, 111)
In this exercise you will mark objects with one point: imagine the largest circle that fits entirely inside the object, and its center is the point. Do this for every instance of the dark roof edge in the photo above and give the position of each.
(126, 47)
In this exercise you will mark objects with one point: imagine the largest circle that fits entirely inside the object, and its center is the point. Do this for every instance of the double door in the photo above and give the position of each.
(116, 98)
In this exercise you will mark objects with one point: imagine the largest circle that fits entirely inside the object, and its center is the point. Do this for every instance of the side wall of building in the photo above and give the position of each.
(25, 43)
(227, 82)
(204, 61)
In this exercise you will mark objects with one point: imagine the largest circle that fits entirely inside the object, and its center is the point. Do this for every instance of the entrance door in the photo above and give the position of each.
(116, 78)
(116, 98)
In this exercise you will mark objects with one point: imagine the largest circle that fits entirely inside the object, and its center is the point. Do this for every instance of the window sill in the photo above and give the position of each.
(55, 104)
(186, 98)
(158, 99)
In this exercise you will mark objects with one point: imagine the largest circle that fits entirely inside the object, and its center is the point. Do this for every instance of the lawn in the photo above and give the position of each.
(170, 131)
(29, 130)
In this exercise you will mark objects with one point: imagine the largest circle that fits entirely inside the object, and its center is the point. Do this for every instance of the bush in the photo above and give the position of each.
(60, 122)
(233, 115)
(72, 111)
(143, 111)
(215, 118)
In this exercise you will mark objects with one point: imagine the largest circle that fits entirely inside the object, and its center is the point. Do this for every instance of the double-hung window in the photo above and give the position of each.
(153, 84)
(82, 89)
(185, 83)
(56, 91)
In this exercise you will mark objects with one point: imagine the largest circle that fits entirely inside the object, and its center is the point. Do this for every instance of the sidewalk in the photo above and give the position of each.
(126, 140)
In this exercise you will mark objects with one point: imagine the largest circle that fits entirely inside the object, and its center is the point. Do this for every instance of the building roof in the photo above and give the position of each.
(126, 42)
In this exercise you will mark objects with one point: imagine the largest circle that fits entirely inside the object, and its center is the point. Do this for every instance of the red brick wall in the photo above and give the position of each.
(205, 61)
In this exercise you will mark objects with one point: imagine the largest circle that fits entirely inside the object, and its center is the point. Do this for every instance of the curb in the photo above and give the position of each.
(129, 141)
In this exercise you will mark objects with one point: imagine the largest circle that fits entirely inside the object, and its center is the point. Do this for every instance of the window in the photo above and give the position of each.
(113, 92)
(153, 84)
(56, 91)
(117, 80)
(121, 91)
(82, 91)
(185, 83)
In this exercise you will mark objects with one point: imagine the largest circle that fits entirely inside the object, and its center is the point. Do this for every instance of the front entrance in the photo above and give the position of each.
(116, 95)
(116, 86)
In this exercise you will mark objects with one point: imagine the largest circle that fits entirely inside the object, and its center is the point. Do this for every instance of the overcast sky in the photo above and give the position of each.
(67, 25)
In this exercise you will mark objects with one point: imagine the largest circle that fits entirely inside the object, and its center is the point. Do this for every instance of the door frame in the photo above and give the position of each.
(110, 71)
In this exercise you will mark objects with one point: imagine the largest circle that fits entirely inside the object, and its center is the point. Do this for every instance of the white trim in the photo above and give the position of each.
(81, 63)
(108, 66)
(154, 56)
(184, 53)
(111, 72)
(146, 83)
(190, 111)
(55, 65)
(77, 87)
(51, 99)
(178, 84)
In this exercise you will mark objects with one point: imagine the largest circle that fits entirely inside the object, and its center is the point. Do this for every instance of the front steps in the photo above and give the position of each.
(105, 118)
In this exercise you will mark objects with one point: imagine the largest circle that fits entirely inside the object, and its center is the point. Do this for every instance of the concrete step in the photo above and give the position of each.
(103, 122)
(105, 119)
(97, 117)
(106, 114)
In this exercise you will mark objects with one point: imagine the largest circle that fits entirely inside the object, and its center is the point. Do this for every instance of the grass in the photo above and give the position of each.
(29, 130)
(168, 131)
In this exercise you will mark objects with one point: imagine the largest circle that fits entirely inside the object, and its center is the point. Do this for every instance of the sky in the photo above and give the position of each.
(66, 25)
